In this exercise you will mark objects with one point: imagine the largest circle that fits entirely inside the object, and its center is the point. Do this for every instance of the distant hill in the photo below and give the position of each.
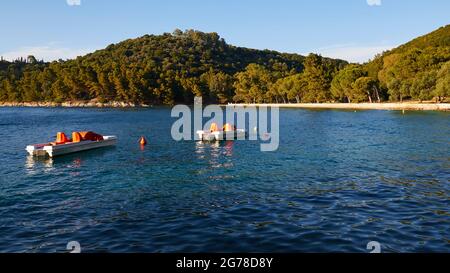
(437, 38)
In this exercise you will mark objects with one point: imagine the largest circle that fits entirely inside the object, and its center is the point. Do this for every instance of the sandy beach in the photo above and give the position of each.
(363, 106)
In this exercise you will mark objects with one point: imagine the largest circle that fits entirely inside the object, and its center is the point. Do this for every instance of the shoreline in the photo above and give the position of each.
(412, 106)
(75, 104)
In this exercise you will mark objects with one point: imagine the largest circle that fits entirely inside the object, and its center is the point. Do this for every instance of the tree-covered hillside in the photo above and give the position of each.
(154, 69)
(437, 38)
(417, 70)
(173, 68)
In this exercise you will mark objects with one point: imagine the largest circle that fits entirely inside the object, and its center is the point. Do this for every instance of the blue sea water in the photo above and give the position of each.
(338, 180)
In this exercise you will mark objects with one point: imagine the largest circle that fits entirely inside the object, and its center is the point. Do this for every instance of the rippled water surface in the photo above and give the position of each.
(339, 180)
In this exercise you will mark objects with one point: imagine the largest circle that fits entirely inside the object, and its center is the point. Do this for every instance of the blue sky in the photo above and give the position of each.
(350, 29)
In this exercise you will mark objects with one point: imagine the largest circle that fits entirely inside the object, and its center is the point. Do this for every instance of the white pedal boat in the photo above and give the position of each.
(48, 149)
(239, 134)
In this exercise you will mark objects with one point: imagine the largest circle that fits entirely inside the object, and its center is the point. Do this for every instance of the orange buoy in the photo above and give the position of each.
(143, 141)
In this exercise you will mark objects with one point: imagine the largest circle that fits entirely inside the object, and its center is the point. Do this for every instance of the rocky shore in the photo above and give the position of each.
(74, 104)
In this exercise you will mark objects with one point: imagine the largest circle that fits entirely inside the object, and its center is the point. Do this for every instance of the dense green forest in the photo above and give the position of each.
(173, 68)
(418, 70)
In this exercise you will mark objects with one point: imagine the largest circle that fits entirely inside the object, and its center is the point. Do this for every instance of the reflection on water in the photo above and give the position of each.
(218, 153)
(229, 148)
(218, 156)
(34, 164)
(215, 147)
